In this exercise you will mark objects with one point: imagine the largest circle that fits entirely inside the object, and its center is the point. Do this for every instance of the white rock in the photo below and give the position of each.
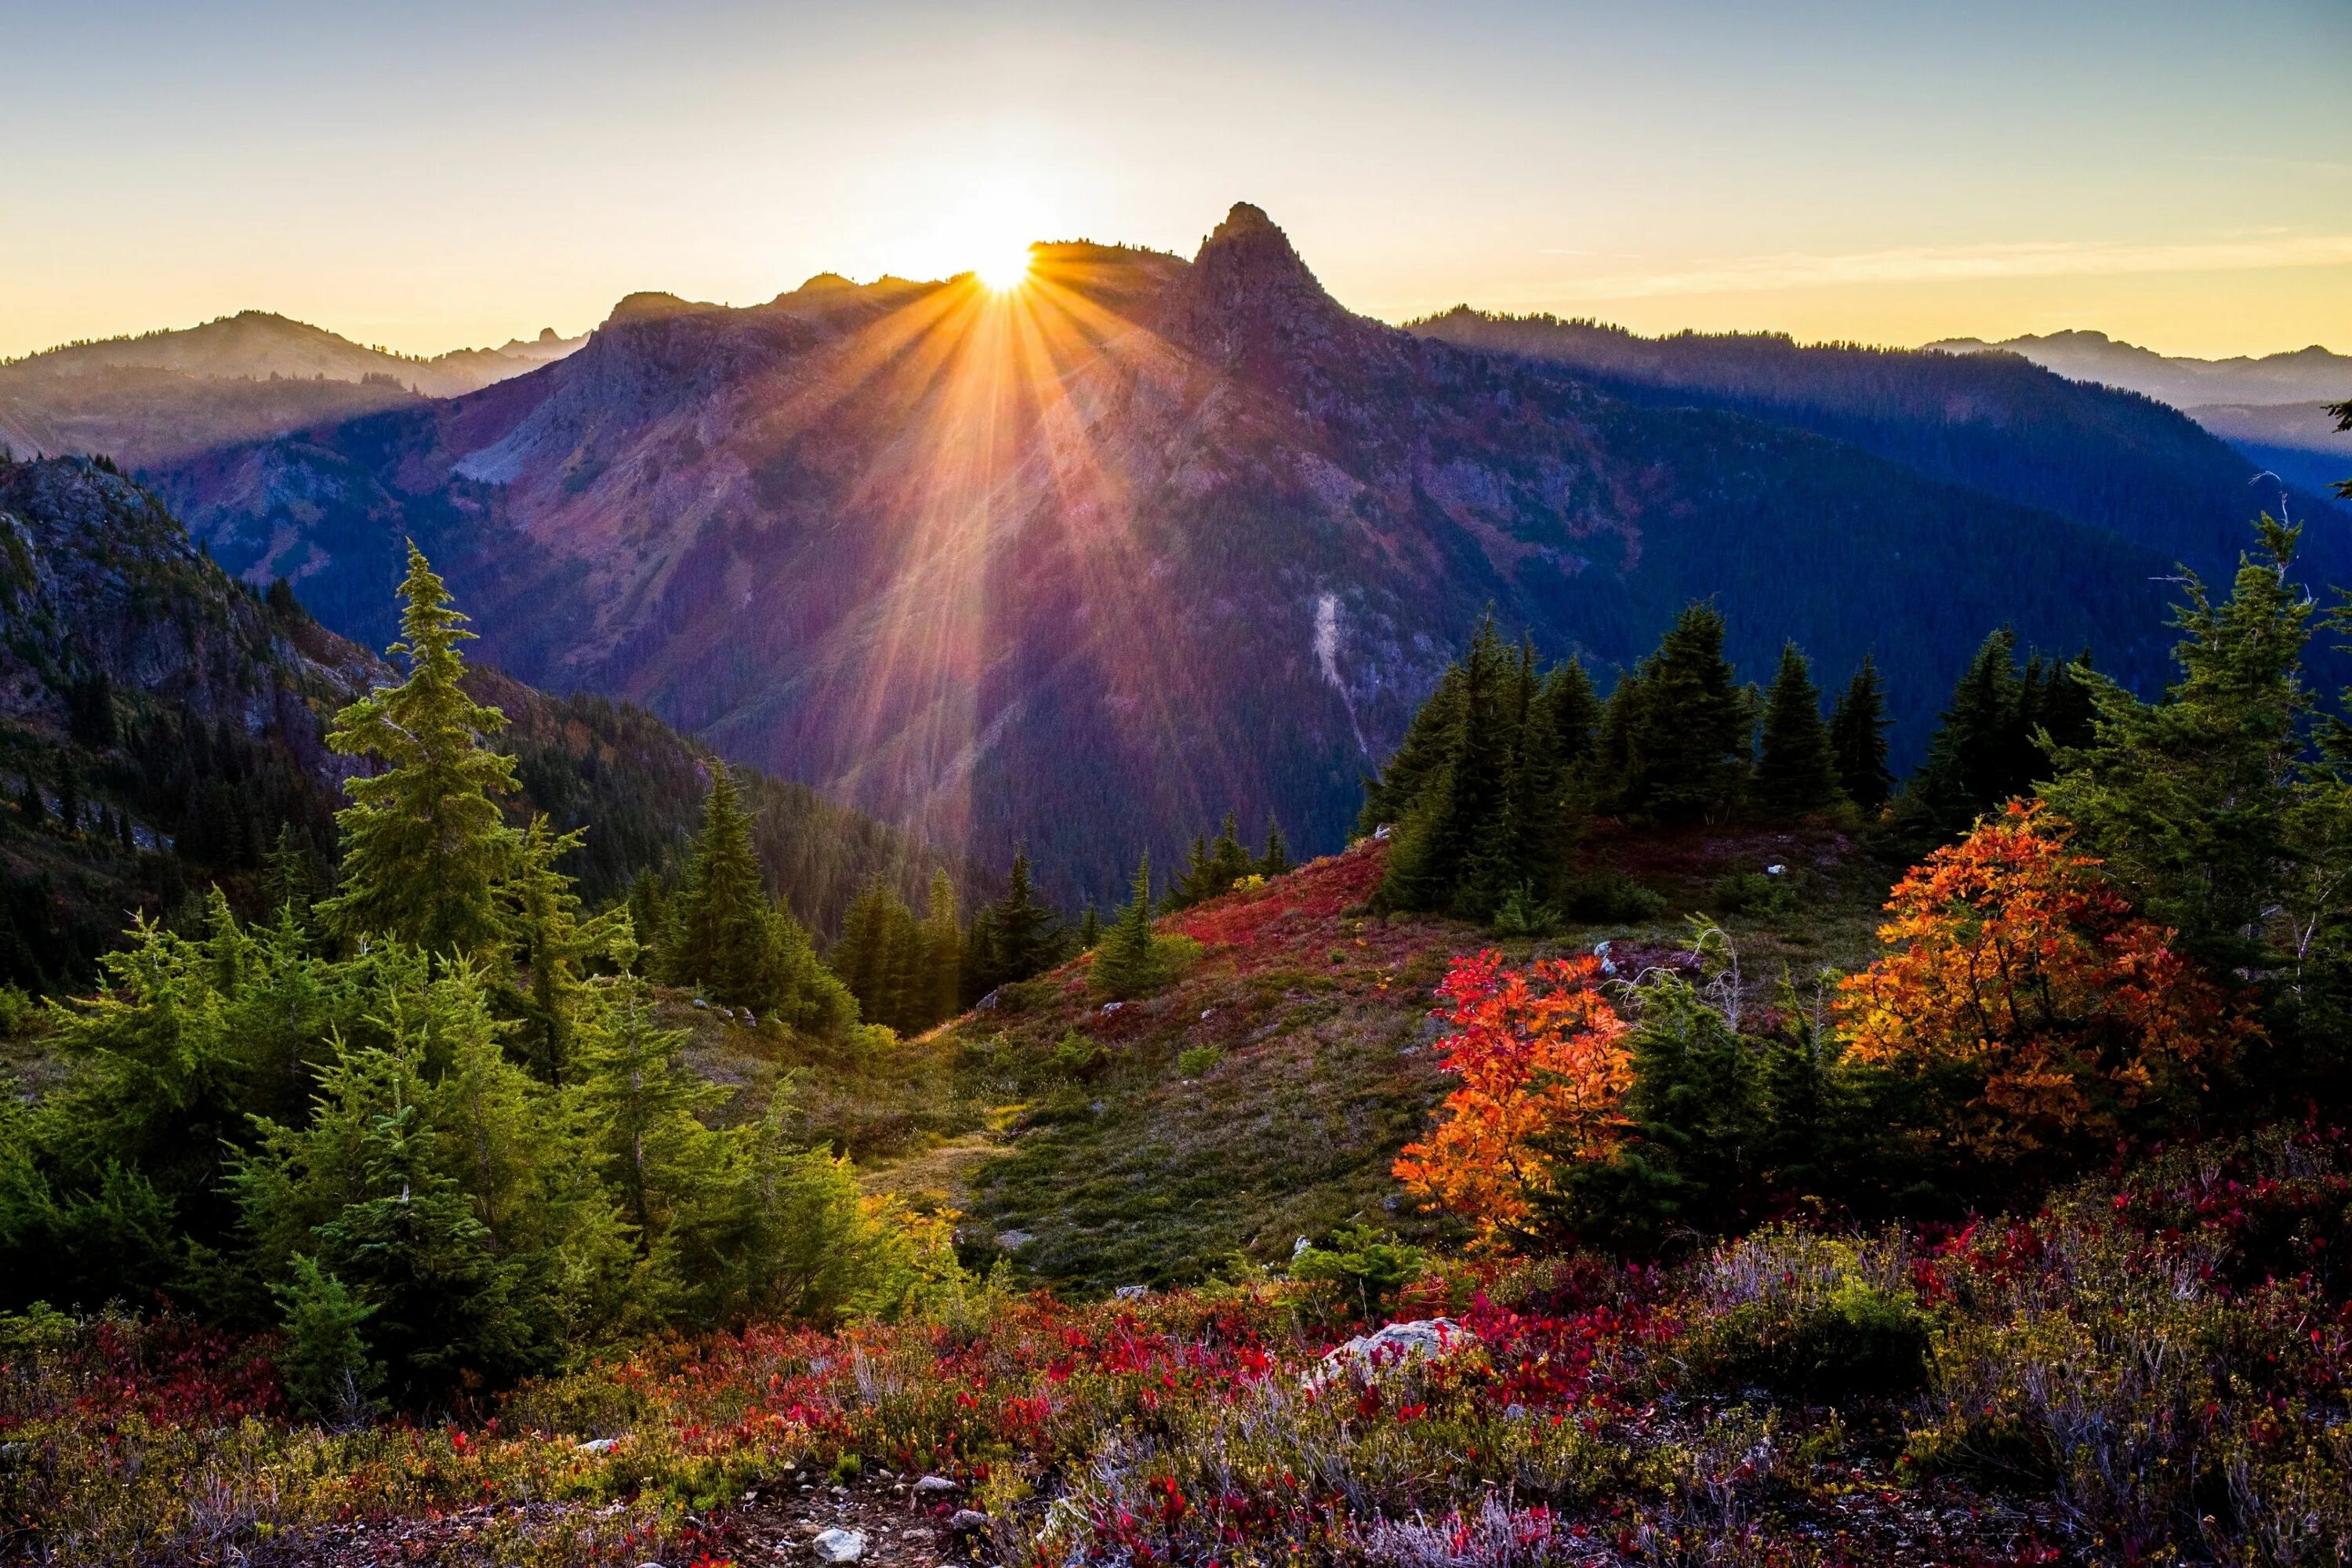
(1401, 1343)
(596, 1446)
(839, 1545)
(933, 1486)
(1009, 1239)
(1132, 1292)
(966, 1519)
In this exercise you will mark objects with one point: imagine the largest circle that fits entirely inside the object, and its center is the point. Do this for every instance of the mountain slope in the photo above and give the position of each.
(2305, 375)
(159, 724)
(2110, 460)
(1092, 562)
(164, 396)
(2273, 409)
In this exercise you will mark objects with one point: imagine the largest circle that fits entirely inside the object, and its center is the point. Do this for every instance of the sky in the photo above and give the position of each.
(427, 175)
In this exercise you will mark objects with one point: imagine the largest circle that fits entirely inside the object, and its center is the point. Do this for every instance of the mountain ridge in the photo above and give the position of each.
(1149, 540)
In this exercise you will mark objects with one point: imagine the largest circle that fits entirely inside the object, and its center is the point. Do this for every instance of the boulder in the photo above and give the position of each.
(838, 1545)
(1399, 1342)
(934, 1486)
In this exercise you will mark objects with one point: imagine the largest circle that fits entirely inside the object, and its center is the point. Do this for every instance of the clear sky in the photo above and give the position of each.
(427, 175)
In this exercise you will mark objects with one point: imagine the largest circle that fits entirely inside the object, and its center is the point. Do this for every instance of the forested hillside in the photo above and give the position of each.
(2111, 460)
(162, 729)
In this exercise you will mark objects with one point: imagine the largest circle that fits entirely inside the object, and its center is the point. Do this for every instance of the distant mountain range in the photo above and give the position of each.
(2273, 409)
(1091, 564)
(163, 396)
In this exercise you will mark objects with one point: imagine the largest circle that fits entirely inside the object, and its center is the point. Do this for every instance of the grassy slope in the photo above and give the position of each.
(1078, 1129)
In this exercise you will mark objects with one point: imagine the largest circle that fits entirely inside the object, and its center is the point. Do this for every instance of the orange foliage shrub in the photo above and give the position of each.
(2016, 962)
(1541, 1056)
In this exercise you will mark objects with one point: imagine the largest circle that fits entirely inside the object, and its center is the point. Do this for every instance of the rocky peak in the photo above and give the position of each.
(1247, 291)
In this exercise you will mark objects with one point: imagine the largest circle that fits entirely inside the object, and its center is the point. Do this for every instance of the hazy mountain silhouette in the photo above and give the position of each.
(163, 395)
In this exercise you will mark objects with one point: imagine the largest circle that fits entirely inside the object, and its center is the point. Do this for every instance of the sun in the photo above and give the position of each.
(1004, 267)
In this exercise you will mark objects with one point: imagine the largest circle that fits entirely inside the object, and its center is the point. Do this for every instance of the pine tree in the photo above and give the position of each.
(1089, 927)
(1228, 861)
(723, 935)
(1796, 772)
(286, 875)
(1018, 938)
(1970, 759)
(423, 843)
(2191, 803)
(1275, 860)
(1858, 739)
(1127, 963)
(1443, 825)
(1689, 729)
(552, 946)
(942, 952)
(1573, 715)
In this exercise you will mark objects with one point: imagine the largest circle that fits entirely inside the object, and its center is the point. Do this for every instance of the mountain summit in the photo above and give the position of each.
(1091, 562)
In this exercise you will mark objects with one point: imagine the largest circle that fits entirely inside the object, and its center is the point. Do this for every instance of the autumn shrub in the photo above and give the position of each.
(1808, 1316)
(1610, 898)
(2044, 1015)
(1541, 1060)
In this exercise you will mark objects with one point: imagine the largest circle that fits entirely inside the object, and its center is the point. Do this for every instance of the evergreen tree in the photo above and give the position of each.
(1428, 742)
(1443, 824)
(942, 953)
(1275, 860)
(1970, 766)
(1687, 739)
(1796, 772)
(2191, 802)
(723, 935)
(1089, 927)
(551, 948)
(423, 843)
(1573, 715)
(1015, 937)
(1858, 739)
(1127, 963)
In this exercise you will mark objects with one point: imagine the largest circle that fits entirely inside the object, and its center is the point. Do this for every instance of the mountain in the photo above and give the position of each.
(2300, 442)
(163, 395)
(160, 723)
(2305, 375)
(2111, 460)
(1091, 562)
(2272, 408)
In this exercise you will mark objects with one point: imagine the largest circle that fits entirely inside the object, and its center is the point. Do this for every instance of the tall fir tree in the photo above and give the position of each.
(1126, 962)
(1274, 860)
(1858, 739)
(942, 952)
(424, 845)
(1688, 727)
(2191, 803)
(722, 935)
(1796, 771)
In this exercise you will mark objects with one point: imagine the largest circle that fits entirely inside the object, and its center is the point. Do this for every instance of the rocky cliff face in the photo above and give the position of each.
(101, 584)
(1094, 563)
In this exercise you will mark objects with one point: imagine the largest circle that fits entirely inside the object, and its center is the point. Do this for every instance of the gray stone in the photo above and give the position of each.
(1009, 1239)
(934, 1486)
(1401, 1343)
(1132, 1292)
(968, 1520)
(838, 1545)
